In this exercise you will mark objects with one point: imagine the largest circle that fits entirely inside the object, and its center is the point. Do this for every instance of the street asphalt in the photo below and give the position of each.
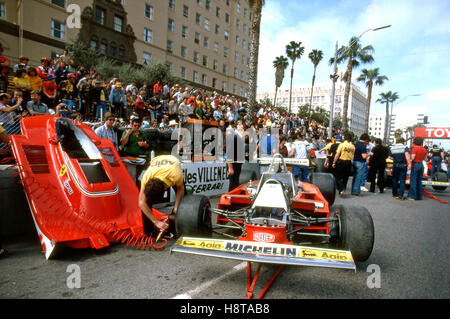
(410, 259)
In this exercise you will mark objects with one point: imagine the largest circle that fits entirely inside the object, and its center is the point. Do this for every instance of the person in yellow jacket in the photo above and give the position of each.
(342, 162)
(164, 172)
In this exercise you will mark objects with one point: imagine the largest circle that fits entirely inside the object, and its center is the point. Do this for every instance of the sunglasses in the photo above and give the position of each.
(136, 125)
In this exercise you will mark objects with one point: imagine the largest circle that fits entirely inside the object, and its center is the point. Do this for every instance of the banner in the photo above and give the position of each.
(432, 132)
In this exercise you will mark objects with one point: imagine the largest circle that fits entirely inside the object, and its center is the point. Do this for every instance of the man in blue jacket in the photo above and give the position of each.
(118, 100)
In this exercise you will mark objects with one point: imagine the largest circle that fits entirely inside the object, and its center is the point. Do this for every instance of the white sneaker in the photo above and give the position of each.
(363, 189)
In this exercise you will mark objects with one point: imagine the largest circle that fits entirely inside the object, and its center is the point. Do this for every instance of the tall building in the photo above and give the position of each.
(376, 125)
(301, 95)
(206, 42)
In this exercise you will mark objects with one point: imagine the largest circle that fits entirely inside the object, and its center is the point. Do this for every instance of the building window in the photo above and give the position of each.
(58, 30)
(169, 46)
(244, 28)
(196, 57)
(198, 18)
(149, 11)
(235, 72)
(118, 23)
(172, 4)
(237, 39)
(93, 44)
(186, 11)
(224, 69)
(148, 34)
(197, 37)
(217, 29)
(205, 60)
(183, 52)
(218, 12)
(225, 52)
(2, 10)
(112, 50)
(238, 7)
(216, 47)
(206, 24)
(103, 47)
(227, 18)
(59, 3)
(206, 42)
(224, 86)
(100, 16)
(204, 79)
(215, 65)
(171, 25)
(146, 58)
(238, 23)
(195, 76)
(208, 5)
(182, 72)
(226, 35)
(121, 53)
(199, 2)
(184, 32)
(214, 82)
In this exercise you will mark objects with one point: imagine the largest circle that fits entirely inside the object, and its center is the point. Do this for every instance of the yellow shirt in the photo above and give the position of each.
(167, 168)
(35, 82)
(21, 82)
(347, 151)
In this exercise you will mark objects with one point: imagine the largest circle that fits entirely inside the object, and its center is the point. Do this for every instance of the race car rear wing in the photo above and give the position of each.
(304, 162)
(269, 253)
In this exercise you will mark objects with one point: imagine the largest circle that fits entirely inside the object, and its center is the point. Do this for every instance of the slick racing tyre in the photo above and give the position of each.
(355, 231)
(247, 175)
(319, 168)
(440, 177)
(326, 184)
(193, 216)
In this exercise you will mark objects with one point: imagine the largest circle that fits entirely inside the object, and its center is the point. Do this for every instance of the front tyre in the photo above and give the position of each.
(194, 217)
(355, 231)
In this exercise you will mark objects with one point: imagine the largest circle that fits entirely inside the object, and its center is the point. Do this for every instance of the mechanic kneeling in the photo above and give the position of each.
(164, 172)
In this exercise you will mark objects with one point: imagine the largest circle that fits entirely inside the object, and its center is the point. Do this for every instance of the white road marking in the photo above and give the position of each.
(196, 291)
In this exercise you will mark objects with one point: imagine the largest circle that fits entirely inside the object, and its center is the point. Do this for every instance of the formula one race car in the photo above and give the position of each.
(279, 221)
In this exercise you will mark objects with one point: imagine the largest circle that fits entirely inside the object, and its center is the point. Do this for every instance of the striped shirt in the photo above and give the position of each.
(398, 151)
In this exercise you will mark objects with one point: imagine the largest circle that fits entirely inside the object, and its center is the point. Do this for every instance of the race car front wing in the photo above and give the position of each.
(261, 252)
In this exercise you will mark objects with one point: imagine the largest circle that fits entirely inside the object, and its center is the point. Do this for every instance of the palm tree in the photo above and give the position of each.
(387, 98)
(370, 77)
(256, 9)
(280, 64)
(354, 54)
(315, 56)
(294, 51)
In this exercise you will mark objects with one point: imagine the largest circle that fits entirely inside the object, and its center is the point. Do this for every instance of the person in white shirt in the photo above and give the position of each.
(107, 131)
(300, 150)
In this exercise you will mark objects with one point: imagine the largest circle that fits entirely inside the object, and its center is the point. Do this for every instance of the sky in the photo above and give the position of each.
(414, 53)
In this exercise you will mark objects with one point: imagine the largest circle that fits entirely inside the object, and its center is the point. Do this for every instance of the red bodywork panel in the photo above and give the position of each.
(68, 201)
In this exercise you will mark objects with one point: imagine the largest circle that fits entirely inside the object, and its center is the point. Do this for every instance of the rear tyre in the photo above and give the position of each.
(247, 175)
(440, 177)
(355, 231)
(326, 184)
(319, 168)
(193, 216)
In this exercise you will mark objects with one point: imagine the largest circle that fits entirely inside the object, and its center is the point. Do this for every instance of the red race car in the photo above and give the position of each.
(276, 220)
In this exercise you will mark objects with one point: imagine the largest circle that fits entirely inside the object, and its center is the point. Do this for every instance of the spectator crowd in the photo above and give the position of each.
(57, 87)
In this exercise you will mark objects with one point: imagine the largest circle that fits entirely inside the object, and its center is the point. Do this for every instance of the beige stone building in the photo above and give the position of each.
(322, 98)
(206, 42)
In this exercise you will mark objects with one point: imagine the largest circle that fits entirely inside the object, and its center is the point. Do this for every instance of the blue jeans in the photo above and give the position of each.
(415, 187)
(301, 172)
(365, 174)
(398, 179)
(100, 110)
(358, 175)
(435, 165)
